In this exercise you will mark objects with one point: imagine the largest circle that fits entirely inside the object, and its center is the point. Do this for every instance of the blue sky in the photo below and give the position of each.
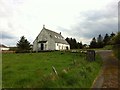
(80, 19)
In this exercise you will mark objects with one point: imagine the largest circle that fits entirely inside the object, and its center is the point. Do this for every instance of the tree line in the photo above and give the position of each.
(101, 41)
(74, 44)
(24, 45)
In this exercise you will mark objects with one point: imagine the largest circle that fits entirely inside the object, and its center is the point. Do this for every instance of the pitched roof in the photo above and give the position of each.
(58, 38)
(1, 45)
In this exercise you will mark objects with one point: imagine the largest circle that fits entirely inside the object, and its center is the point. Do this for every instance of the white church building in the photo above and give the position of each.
(50, 40)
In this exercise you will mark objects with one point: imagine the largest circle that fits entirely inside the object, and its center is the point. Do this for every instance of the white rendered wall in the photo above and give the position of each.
(60, 46)
(2, 48)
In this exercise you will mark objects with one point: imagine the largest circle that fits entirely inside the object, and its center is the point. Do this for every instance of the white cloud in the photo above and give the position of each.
(26, 17)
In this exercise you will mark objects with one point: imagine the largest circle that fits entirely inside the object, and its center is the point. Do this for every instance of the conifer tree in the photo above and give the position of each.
(93, 43)
(23, 45)
(100, 41)
(106, 39)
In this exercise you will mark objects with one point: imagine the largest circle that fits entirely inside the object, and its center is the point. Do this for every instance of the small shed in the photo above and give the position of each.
(4, 48)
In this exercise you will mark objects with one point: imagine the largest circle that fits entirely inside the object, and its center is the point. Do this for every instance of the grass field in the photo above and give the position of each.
(34, 70)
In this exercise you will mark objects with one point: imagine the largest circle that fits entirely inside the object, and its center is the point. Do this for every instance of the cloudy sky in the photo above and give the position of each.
(80, 19)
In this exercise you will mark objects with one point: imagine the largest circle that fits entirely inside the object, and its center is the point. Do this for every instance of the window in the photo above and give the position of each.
(55, 36)
(51, 36)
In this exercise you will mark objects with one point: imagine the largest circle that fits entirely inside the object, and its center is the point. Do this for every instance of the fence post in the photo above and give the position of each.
(90, 55)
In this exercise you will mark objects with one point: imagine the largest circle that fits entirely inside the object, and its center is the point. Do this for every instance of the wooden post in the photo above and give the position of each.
(90, 56)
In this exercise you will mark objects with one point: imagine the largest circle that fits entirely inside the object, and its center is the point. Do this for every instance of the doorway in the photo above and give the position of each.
(42, 46)
(67, 48)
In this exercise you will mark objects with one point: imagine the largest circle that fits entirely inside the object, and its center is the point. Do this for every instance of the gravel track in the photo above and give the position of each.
(108, 77)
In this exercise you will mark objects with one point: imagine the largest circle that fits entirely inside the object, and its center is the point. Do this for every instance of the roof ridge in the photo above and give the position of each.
(52, 31)
(2, 45)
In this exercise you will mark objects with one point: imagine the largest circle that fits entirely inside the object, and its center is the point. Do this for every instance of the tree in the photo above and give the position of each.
(112, 35)
(93, 43)
(100, 38)
(100, 41)
(111, 41)
(73, 43)
(117, 39)
(80, 46)
(106, 39)
(23, 45)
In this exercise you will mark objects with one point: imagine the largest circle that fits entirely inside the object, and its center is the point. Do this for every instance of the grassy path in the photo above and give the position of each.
(108, 77)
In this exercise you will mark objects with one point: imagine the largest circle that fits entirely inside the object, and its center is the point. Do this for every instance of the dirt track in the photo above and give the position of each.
(108, 77)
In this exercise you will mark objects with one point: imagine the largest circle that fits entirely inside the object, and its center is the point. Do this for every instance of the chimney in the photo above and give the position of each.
(43, 26)
(60, 33)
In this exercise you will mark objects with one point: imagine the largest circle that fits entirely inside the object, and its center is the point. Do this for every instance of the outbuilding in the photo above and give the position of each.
(4, 48)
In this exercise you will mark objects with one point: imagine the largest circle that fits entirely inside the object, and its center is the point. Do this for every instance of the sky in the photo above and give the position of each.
(79, 19)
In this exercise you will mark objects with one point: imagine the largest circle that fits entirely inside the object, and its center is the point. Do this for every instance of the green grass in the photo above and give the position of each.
(34, 70)
(116, 51)
(108, 47)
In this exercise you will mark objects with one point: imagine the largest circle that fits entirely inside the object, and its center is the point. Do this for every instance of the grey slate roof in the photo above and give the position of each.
(58, 38)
